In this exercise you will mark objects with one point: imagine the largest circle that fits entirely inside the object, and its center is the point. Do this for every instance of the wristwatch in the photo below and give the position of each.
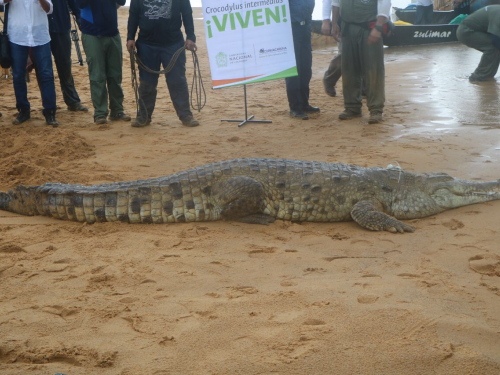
(379, 28)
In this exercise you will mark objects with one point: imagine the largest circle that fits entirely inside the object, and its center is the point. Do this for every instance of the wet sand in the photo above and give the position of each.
(225, 297)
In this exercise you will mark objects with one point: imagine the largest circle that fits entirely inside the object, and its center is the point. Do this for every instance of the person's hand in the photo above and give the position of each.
(336, 32)
(130, 45)
(326, 27)
(374, 36)
(190, 45)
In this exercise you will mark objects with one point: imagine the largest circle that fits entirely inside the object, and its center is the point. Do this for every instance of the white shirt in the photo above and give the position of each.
(383, 8)
(425, 3)
(28, 23)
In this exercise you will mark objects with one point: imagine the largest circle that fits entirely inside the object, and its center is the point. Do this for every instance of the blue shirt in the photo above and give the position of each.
(99, 17)
(60, 20)
(301, 10)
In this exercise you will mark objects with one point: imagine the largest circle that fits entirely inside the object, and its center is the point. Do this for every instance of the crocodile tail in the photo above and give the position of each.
(21, 200)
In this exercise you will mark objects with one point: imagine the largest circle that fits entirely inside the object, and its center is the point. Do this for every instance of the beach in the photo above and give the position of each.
(234, 298)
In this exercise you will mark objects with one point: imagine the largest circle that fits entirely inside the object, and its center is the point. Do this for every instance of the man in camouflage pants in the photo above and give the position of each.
(362, 54)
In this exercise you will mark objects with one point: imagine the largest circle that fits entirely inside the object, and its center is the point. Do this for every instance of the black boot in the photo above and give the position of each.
(50, 118)
(22, 116)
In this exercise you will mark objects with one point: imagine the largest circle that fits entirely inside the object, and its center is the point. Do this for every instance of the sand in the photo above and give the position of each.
(227, 297)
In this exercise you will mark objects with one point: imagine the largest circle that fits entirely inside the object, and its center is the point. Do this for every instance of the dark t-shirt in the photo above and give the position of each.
(60, 20)
(160, 21)
(99, 17)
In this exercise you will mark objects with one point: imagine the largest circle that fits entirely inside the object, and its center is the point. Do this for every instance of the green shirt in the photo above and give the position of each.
(358, 11)
(486, 20)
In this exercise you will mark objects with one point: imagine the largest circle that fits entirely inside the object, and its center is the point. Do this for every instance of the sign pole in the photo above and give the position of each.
(248, 119)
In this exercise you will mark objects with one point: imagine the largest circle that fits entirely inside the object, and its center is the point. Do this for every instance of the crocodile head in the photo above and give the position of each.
(427, 194)
(448, 192)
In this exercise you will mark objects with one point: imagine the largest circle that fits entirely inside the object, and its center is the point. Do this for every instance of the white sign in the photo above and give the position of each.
(248, 41)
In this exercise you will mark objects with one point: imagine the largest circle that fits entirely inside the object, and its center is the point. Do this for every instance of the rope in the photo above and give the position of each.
(196, 85)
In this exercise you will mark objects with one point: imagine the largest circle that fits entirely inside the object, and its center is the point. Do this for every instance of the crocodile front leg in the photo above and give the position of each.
(370, 215)
(243, 199)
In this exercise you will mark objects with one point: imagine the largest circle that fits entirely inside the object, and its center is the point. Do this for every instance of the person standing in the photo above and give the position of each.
(103, 48)
(60, 44)
(28, 28)
(425, 10)
(160, 36)
(362, 54)
(297, 88)
(481, 31)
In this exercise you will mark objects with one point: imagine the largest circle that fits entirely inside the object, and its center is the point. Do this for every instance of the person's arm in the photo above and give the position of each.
(335, 19)
(383, 11)
(120, 2)
(133, 24)
(326, 26)
(46, 6)
(187, 20)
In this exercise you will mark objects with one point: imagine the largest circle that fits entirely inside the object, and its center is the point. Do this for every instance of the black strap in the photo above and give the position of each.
(6, 18)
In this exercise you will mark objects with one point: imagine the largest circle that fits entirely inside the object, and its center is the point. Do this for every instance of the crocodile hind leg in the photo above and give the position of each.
(370, 215)
(243, 199)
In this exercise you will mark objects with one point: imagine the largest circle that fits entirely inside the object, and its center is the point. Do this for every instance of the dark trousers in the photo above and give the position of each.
(334, 72)
(45, 76)
(154, 57)
(490, 61)
(424, 15)
(60, 44)
(297, 88)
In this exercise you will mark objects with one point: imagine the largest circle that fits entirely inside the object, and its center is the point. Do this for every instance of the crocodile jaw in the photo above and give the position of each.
(457, 193)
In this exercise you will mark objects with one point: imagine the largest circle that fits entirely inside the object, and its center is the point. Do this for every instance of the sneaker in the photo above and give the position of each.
(330, 91)
(21, 117)
(101, 120)
(311, 109)
(140, 122)
(78, 107)
(349, 114)
(190, 122)
(297, 114)
(120, 116)
(50, 119)
(375, 117)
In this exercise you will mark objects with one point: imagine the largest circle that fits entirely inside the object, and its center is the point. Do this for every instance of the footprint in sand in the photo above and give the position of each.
(453, 224)
(367, 298)
(485, 264)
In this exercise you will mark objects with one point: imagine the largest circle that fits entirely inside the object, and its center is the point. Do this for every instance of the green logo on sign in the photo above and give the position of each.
(221, 60)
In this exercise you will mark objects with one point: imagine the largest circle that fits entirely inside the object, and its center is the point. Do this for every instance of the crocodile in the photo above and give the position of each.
(259, 191)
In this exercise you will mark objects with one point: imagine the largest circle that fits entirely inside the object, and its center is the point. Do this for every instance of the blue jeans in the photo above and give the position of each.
(153, 57)
(45, 76)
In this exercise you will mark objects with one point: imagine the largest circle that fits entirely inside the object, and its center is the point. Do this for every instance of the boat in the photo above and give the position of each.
(412, 35)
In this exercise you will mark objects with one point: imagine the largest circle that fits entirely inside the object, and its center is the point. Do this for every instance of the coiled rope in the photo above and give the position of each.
(197, 84)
